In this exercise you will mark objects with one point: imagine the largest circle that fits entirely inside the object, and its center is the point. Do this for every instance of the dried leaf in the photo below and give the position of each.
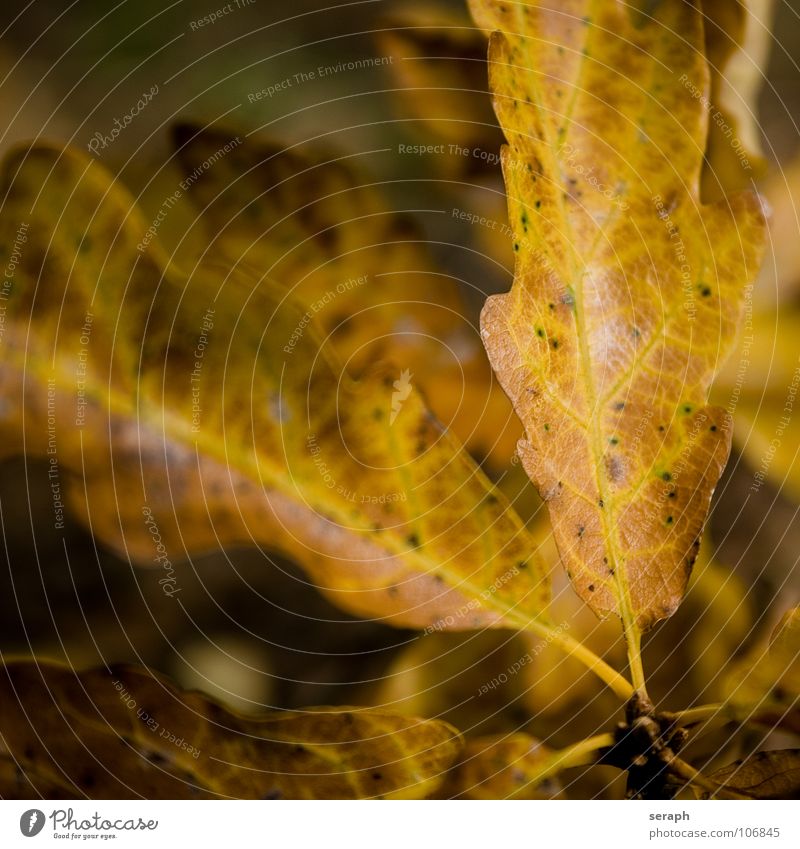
(503, 767)
(166, 402)
(126, 733)
(764, 775)
(627, 291)
(310, 220)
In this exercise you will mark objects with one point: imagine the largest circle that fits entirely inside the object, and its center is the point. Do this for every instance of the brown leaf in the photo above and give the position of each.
(764, 775)
(124, 733)
(627, 291)
(312, 221)
(502, 767)
(182, 412)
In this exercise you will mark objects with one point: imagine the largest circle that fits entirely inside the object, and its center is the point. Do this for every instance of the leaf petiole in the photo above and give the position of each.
(574, 648)
(582, 753)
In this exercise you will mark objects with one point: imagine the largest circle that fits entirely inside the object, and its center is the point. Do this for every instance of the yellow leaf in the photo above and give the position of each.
(764, 775)
(503, 767)
(126, 733)
(737, 42)
(627, 290)
(183, 412)
(311, 221)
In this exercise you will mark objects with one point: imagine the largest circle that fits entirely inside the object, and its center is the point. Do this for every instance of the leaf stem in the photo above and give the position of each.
(574, 648)
(582, 753)
(633, 641)
(692, 716)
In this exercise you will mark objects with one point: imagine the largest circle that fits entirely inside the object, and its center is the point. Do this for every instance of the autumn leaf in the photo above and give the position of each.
(124, 733)
(313, 222)
(627, 290)
(764, 775)
(179, 413)
(514, 766)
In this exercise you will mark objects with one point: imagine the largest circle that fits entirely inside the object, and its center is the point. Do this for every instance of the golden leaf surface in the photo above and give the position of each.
(124, 732)
(764, 775)
(514, 766)
(627, 291)
(183, 412)
(314, 222)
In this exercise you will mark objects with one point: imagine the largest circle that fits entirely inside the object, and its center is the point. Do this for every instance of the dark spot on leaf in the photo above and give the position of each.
(413, 540)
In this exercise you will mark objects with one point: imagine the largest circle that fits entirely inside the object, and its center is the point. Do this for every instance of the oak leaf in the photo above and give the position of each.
(316, 223)
(124, 732)
(183, 412)
(627, 290)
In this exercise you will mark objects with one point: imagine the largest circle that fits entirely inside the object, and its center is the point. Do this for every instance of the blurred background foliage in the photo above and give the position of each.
(249, 627)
